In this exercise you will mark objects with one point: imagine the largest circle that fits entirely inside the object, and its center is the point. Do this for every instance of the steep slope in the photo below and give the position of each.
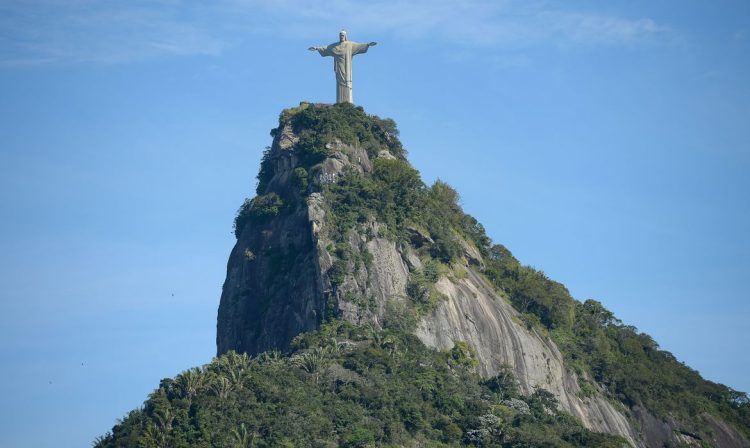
(475, 314)
(343, 227)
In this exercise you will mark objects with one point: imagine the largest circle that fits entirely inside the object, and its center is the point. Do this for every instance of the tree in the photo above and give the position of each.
(311, 362)
(242, 438)
(190, 382)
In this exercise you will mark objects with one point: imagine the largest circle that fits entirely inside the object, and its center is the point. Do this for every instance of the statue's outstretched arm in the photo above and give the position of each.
(361, 48)
(321, 50)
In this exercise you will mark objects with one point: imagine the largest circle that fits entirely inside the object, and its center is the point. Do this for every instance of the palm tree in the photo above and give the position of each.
(99, 441)
(156, 431)
(236, 378)
(311, 361)
(232, 360)
(221, 386)
(241, 438)
(153, 437)
(190, 382)
(164, 418)
(270, 357)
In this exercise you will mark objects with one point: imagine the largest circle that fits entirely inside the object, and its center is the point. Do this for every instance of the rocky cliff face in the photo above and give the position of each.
(290, 271)
(473, 312)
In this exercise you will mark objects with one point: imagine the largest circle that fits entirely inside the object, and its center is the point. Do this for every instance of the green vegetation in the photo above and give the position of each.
(351, 387)
(421, 286)
(390, 194)
(257, 209)
(530, 291)
(463, 355)
(266, 172)
(319, 125)
(300, 179)
(396, 196)
(595, 343)
(249, 255)
(316, 126)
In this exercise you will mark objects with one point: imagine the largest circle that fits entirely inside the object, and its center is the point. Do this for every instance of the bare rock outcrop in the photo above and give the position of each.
(475, 314)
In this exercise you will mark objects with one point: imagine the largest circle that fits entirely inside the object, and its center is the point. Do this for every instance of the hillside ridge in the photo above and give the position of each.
(343, 233)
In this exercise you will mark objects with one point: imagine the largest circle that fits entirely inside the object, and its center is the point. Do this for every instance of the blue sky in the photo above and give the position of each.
(607, 144)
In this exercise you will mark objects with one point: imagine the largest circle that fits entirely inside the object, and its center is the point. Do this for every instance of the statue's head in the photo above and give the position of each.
(342, 35)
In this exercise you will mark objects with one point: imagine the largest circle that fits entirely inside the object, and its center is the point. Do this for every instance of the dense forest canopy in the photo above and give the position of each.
(348, 386)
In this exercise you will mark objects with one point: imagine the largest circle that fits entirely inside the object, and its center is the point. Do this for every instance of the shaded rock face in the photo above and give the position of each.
(279, 284)
(665, 433)
(723, 434)
(273, 290)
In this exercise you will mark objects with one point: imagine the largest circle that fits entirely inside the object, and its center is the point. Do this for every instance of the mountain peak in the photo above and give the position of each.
(345, 257)
(344, 228)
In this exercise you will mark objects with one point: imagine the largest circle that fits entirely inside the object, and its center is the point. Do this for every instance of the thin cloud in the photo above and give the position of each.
(61, 32)
(508, 23)
(51, 32)
(602, 29)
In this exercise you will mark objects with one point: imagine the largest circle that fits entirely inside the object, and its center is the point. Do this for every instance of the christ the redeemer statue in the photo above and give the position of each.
(342, 52)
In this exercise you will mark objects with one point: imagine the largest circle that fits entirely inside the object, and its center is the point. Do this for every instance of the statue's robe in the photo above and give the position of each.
(342, 53)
